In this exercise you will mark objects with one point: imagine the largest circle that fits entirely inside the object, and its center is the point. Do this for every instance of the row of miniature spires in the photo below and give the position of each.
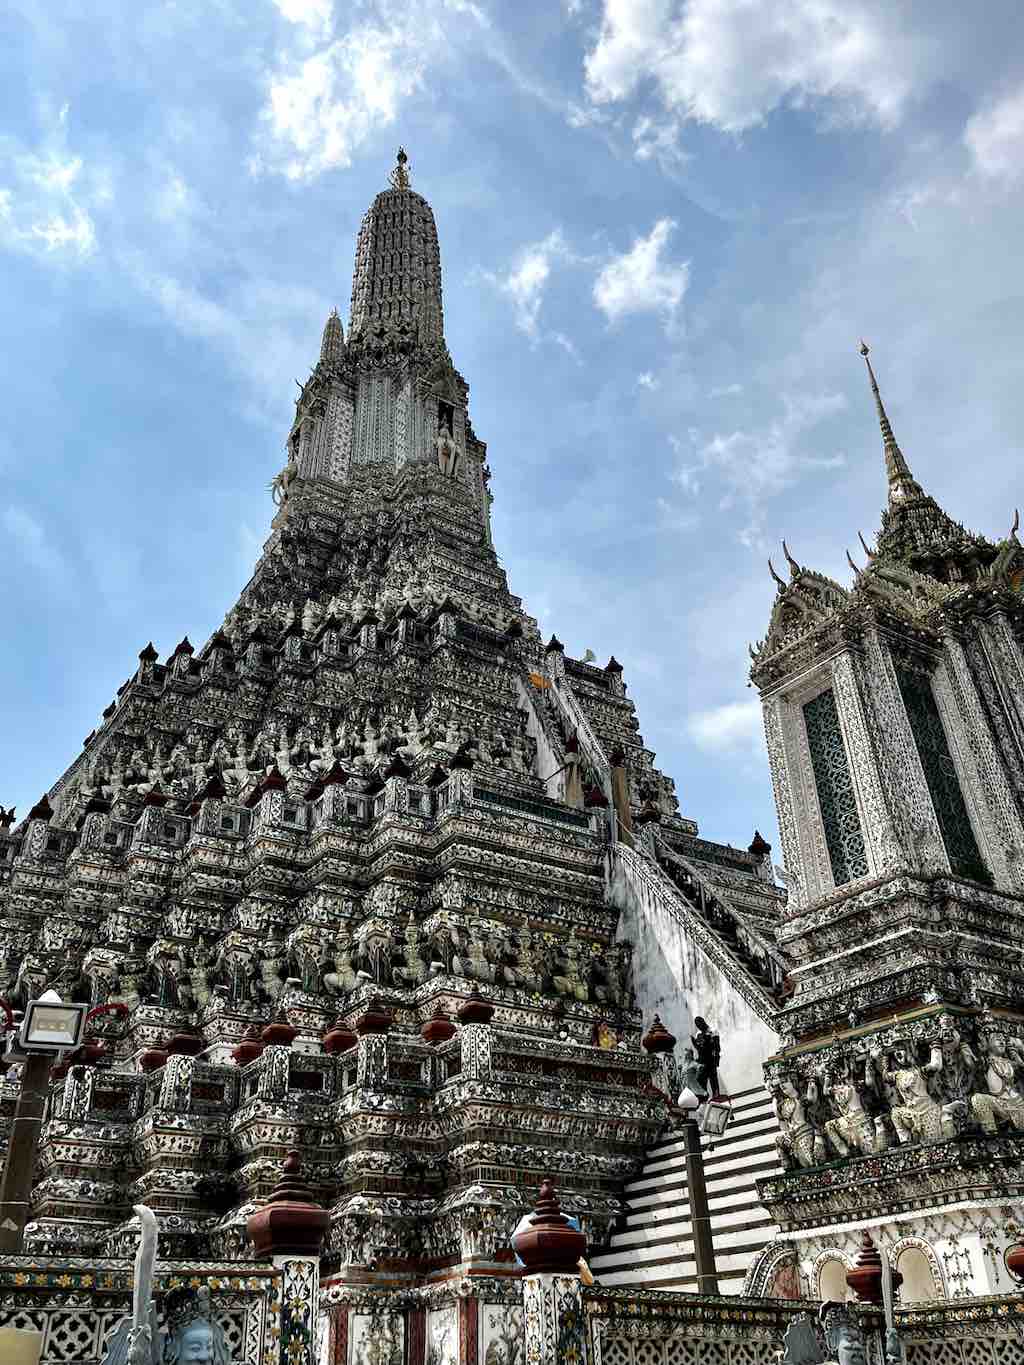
(339, 1038)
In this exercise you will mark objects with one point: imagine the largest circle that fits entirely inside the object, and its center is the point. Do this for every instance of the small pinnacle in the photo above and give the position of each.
(400, 176)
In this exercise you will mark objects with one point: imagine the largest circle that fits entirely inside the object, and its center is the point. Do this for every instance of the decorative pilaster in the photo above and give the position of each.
(899, 763)
(986, 789)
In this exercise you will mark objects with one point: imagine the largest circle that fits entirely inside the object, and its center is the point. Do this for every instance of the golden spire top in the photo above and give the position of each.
(400, 176)
(902, 484)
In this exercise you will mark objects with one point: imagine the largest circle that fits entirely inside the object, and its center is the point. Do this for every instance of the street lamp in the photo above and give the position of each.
(49, 1028)
(700, 1217)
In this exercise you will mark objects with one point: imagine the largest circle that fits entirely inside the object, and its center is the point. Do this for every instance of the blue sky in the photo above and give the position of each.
(664, 227)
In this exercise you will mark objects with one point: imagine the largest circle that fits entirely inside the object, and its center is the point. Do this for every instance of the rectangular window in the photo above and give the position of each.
(940, 773)
(843, 836)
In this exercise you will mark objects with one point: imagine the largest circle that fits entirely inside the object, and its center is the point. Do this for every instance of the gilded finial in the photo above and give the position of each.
(400, 176)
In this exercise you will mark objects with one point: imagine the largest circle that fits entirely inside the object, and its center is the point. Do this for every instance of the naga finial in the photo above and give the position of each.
(1016, 523)
(865, 349)
(794, 567)
(400, 176)
(850, 560)
(866, 548)
(771, 569)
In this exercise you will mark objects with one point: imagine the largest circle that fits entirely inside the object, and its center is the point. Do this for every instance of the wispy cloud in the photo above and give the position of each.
(47, 206)
(752, 464)
(995, 137)
(35, 545)
(732, 728)
(641, 280)
(730, 63)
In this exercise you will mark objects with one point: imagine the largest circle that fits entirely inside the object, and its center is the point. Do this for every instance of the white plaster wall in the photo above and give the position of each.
(674, 977)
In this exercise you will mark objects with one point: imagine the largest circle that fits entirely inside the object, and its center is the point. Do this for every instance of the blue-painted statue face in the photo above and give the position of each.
(197, 1344)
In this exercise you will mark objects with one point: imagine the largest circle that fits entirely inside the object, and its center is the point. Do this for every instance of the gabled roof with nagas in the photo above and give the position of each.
(924, 566)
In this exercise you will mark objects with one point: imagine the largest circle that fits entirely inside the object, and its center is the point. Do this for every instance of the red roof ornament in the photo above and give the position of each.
(613, 665)
(187, 1042)
(291, 1221)
(438, 1028)
(657, 1038)
(759, 845)
(279, 1033)
(249, 1048)
(153, 1058)
(339, 1037)
(554, 646)
(184, 646)
(155, 796)
(42, 810)
(549, 1245)
(273, 782)
(149, 654)
(475, 1009)
(865, 1279)
(376, 1018)
(335, 776)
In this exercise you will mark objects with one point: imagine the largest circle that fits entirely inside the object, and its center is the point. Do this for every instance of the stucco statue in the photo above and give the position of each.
(447, 451)
(917, 1117)
(1002, 1097)
(281, 483)
(137, 1340)
(801, 1344)
(853, 1126)
(799, 1144)
(193, 1337)
(952, 1066)
(271, 962)
(844, 1340)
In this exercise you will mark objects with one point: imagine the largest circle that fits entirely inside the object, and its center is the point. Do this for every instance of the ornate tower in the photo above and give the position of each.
(360, 868)
(894, 712)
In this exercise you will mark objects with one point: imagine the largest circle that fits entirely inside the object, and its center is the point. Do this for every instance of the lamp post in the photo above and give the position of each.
(700, 1217)
(48, 1028)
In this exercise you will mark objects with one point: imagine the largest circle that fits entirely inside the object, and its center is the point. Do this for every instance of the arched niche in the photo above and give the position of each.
(919, 1266)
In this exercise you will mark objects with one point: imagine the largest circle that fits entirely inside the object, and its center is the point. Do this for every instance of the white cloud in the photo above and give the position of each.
(659, 141)
(730, 63)
(753, 465)
(646, 380)
(35, 545)
(48, 206)
(322, 109)
(639, 281)
(995, 138)
(526, 282)
(312, 14)
(733, 728)
(322, 106)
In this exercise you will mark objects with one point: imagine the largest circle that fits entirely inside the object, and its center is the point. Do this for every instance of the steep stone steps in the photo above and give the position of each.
(654, 1248)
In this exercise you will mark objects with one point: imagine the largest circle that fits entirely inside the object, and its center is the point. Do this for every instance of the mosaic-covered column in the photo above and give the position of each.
(551, 1250)
(290, 1229)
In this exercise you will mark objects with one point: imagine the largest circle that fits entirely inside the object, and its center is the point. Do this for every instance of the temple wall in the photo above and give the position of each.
(675, 978)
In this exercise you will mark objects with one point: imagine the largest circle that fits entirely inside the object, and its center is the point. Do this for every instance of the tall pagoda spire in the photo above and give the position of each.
(396, 286)
(332, 347)
(902, 484)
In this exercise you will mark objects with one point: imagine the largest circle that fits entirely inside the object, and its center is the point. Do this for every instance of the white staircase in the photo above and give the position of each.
(655, 1247)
